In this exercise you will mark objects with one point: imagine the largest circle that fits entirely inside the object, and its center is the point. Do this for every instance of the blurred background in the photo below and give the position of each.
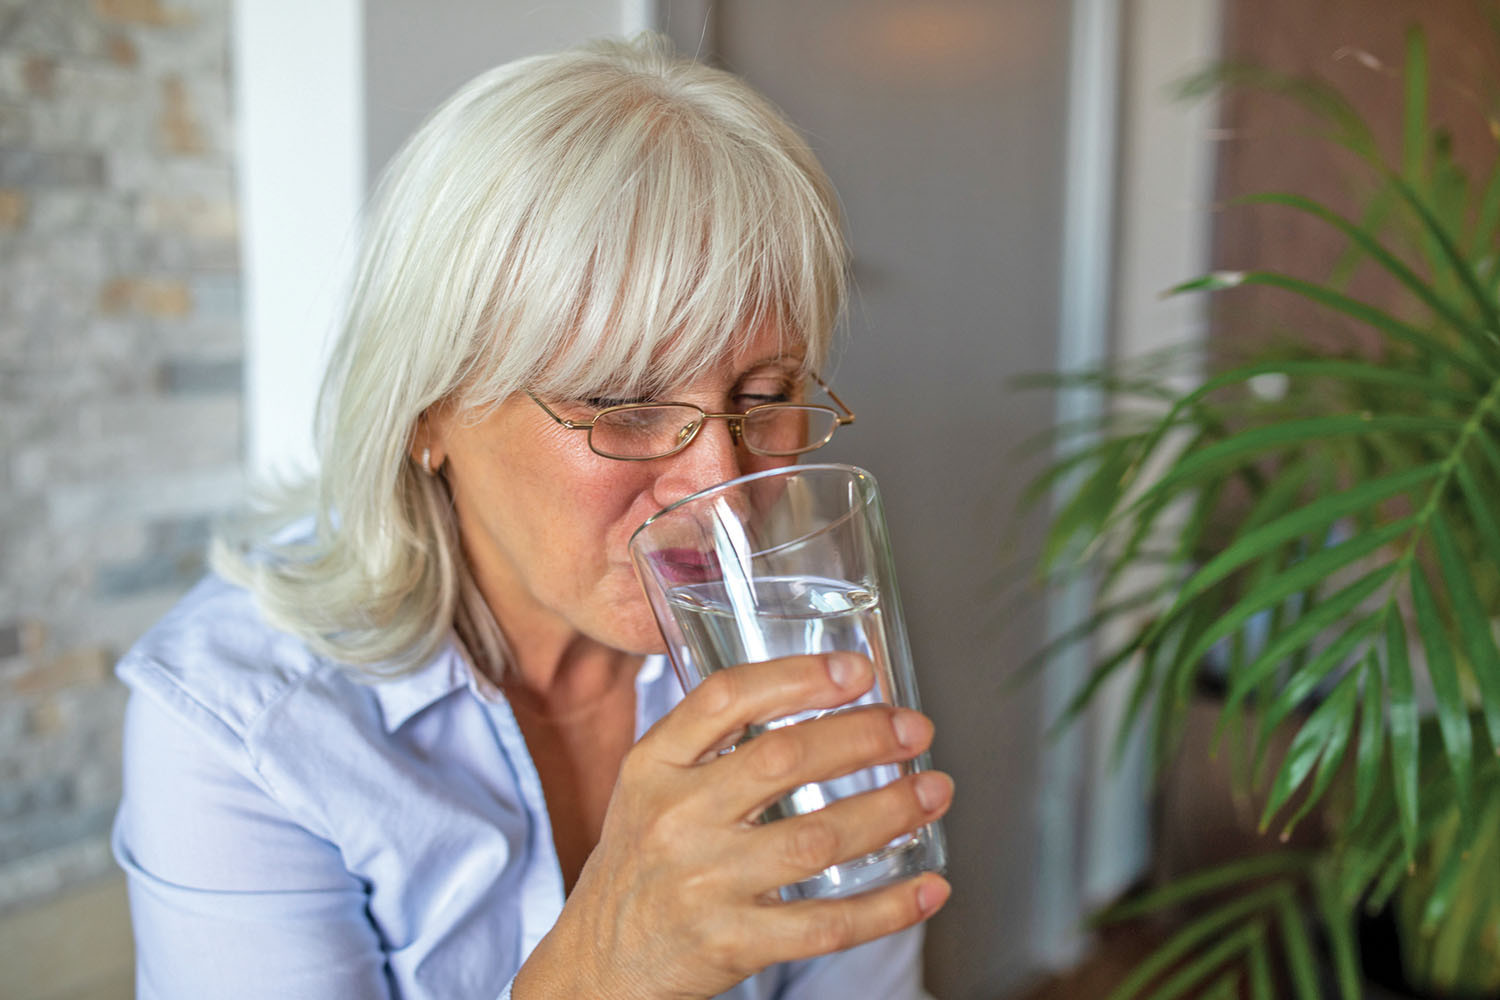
(179, 187)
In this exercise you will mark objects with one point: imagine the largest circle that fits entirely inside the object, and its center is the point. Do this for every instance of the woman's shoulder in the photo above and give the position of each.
(215, 661)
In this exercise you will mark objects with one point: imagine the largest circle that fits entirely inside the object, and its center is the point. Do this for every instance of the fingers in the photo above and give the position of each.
(715, 712)
(793, 849)
(816, 927)
(770, 765)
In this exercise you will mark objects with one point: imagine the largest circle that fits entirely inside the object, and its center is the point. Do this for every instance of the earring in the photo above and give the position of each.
(427, 460)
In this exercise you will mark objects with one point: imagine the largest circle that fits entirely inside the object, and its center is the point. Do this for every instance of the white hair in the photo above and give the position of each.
(606, 220)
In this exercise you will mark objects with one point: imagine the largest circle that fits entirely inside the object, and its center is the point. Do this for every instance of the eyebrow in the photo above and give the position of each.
(777, 361)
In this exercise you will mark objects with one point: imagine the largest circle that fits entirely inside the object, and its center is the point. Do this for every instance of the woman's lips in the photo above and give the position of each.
(679, 566)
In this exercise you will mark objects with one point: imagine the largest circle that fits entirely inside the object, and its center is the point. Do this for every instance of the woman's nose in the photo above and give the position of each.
(710, 458)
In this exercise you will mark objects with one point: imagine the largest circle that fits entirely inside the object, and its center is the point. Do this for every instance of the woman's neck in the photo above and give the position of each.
(561, 680)
(546, 664)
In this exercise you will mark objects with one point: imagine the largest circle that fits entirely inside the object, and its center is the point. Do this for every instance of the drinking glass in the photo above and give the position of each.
(790, 561)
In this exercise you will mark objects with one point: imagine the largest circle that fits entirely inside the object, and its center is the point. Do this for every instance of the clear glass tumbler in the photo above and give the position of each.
(794, 560)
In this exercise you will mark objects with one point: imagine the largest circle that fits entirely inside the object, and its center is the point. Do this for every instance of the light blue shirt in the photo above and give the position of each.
(292, 832)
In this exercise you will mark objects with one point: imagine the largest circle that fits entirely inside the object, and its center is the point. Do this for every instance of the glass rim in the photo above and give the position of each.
(854, 474)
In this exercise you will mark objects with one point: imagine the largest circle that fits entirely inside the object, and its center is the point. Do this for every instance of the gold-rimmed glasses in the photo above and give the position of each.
(640, 432)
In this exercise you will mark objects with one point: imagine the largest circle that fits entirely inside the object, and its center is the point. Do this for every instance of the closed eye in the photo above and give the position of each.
(605, 402)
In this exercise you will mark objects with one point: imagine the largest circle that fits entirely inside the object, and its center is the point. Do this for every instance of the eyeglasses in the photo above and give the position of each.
(639, 432)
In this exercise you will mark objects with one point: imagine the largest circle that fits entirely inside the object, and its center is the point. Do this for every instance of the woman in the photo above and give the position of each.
(420, 743)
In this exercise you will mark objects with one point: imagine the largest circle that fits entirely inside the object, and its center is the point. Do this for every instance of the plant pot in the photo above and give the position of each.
(1380, 956)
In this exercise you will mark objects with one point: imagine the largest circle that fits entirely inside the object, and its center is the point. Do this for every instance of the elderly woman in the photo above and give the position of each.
(420, 742)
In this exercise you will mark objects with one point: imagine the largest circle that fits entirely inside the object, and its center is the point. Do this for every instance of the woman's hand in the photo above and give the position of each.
(679, 898)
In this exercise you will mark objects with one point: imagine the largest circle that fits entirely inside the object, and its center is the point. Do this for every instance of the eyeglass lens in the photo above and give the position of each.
(652, 431)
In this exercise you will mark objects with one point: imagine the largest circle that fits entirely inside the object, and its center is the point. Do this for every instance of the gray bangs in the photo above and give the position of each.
(663, 241)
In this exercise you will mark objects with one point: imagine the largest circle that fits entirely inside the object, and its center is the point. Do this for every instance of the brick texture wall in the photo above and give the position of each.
(120, 400)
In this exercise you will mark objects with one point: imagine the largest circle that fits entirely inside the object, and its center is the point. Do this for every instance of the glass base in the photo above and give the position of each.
(922, 852)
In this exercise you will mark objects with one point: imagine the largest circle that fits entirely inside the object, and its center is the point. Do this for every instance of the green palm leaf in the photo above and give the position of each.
(1098, 676)
(1453, 718)
(1313, 518)
(1461, 362)
(1242, 448)
(1479, 513)
(1262, 984)
(1075, 462)
(1474, 627)
(1090, 505)
(1436, 811)
(1349, 129)
(1306, 678)
(1414, 119)
(1320, 741)
(1487, 219)
(1487, 447)
(1374, 874)
(1244, 940)
(1210, 927)
(1464, 948)
(1090, 627)
(1442, 893)
(1371, 748)
(1339, 924)
(1313, 624)
(1459, 267)
(1408, 278)
(1373, 219)
(1404, 727)
(1300, 959)
(1226, 987)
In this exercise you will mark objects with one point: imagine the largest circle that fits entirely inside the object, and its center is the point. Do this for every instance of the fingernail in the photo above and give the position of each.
(845, 669)
(912, 728)
(931, 894)
(933, 789)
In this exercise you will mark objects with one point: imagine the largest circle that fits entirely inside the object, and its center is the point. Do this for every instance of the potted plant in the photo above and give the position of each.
(1324, 524)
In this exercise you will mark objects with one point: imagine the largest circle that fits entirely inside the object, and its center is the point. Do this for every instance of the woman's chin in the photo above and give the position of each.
(624, 620)
(636, 634)
(649, 643)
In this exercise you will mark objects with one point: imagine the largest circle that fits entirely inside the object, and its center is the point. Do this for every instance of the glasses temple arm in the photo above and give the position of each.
(572, 425)
(848, 416)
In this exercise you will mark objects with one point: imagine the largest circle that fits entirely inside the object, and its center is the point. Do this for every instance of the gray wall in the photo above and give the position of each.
(942, 124)
(416, 54)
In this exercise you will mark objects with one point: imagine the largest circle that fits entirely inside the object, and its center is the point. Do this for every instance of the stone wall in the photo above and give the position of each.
(120, 400)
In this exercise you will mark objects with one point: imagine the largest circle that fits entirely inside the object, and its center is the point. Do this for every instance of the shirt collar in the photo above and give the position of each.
(651, 670)
(404, 696)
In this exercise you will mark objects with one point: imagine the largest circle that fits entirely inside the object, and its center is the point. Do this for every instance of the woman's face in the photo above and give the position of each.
(545, 522)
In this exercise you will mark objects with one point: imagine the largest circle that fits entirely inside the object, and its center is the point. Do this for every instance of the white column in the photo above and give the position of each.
(637, 16)
(299, 107)
(1166, 166)
(1136, 222)
(1083, 341)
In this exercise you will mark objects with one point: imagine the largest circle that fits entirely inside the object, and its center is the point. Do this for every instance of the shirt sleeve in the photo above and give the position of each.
(889, 968)
(229, 897)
